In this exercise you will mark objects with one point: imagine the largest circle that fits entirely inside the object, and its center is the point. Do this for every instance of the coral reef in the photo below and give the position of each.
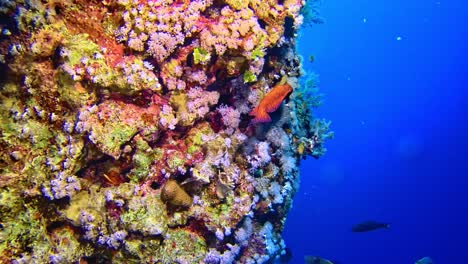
(174, 195)
(127, 134)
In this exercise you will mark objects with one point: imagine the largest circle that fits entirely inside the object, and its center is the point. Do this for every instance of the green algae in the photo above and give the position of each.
(177, 159)
(143, 160)
(142, 163)
(249, 77)
(22, 226)
(92, 201)
(201, 56)
(146, 215)
(182, 243)
(140, 250)
(111, 136)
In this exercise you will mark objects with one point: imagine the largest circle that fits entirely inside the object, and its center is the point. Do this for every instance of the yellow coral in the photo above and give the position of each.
(46, 41)
(238, 4)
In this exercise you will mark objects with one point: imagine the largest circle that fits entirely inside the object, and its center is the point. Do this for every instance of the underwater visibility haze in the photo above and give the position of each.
(395, 84)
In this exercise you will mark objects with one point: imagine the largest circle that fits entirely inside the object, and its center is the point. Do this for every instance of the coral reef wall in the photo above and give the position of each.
(142, 131)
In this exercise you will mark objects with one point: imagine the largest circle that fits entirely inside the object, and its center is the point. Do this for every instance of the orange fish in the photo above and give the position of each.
(270, 103)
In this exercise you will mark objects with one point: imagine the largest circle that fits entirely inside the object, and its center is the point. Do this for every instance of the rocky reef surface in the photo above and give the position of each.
(141, 131)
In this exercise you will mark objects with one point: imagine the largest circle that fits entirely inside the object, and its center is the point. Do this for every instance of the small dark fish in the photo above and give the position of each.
(316, 260)
(311, 58)
(370, 226)
(425, 260)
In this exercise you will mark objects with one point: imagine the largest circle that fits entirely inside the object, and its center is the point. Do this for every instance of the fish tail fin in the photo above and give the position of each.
(254, 111)
(261, 116)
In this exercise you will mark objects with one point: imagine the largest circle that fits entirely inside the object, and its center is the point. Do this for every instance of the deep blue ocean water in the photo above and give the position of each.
(395, 79)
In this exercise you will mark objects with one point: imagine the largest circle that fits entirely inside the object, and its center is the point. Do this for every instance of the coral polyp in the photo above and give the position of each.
(126, 131)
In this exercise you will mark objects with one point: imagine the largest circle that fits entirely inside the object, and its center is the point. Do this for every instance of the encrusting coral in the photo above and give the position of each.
(151, 131)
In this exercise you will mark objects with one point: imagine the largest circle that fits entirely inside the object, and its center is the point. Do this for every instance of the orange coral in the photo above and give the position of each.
(270, 103)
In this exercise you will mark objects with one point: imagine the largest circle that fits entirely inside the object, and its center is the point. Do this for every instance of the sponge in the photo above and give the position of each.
(174, 195)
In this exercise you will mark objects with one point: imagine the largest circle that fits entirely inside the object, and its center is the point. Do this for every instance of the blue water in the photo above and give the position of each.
(395, 76)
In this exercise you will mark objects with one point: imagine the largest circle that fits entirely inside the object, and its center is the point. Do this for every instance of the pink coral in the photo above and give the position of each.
(200, 100)
(230, 117)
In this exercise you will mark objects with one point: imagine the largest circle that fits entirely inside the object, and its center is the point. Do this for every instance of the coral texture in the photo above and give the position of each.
(126, 132)
(173, 194)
